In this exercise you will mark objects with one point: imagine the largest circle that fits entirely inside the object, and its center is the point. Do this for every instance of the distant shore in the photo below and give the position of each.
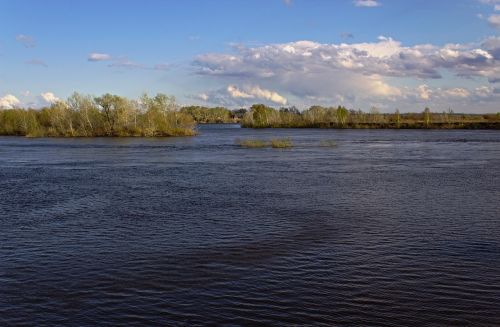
(417, 125)
(159, 116)
(261, 116)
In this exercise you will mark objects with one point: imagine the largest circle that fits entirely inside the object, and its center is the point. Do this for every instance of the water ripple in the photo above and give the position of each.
(389, 228)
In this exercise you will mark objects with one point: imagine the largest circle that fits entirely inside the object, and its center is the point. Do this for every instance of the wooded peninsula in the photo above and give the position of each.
(159, 115)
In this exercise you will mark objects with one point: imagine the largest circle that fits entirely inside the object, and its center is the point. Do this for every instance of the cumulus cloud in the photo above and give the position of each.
(424, 92)
(48, 98)
(256, 92)
(203, 96)
(385, 57)
(494, 20)
(236, 93)
(457, 92)
(366, 3)
(451, 95)
(94, 56)
(9, 101)
(233, 95)
(268, 95)
(26, 40)
(359, 73)
(28, 100)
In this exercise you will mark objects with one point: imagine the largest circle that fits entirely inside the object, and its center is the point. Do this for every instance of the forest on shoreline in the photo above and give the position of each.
(261, 116)
(159, 115)
(107, 115)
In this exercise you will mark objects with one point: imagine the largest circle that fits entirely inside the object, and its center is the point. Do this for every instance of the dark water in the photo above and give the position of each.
(389, 228)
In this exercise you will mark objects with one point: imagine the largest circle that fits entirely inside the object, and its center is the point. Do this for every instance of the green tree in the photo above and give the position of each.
(342, 114)
(427, 117)
(397, 118)
(261, 114)
(112, 109)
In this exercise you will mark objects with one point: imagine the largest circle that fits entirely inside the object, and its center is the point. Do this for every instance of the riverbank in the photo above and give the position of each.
(159, 116)
(414, 125)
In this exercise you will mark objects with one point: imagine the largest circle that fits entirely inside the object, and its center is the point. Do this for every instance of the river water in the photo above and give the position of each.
(387, 228)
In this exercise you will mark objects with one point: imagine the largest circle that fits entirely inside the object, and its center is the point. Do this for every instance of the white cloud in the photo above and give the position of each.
(359, 73)
(26, 40)
(256, 92)
(9, 101)
(386, 58)
(203, 96)
(99, 57)
(424, 92)
(494, 20)
(457, 92)
(236, 93)
(380, 88)
(268, 95)
(48, 98)
(288, 2)
(366, 3)
(448, 95)
(234, 96)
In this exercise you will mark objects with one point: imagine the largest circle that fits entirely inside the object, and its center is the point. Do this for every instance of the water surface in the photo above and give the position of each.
(389, 228)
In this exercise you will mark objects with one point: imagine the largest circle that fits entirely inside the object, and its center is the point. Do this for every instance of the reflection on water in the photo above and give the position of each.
(388, 228)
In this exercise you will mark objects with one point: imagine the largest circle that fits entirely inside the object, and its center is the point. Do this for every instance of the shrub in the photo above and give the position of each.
(252, 143)
(281, 143)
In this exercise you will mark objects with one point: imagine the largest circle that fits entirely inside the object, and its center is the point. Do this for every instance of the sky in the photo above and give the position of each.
(387, 54)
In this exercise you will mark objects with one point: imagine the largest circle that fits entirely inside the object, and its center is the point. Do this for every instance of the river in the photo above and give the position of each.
(387, 228)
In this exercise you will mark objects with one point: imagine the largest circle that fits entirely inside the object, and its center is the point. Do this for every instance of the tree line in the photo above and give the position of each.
(262, 116)
(207, 115)
(106, 115)
(112, 115)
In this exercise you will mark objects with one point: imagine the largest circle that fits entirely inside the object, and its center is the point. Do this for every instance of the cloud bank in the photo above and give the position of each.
(372, 70)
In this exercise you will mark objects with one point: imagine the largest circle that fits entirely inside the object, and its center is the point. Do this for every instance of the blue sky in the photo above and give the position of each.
(362, 53)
